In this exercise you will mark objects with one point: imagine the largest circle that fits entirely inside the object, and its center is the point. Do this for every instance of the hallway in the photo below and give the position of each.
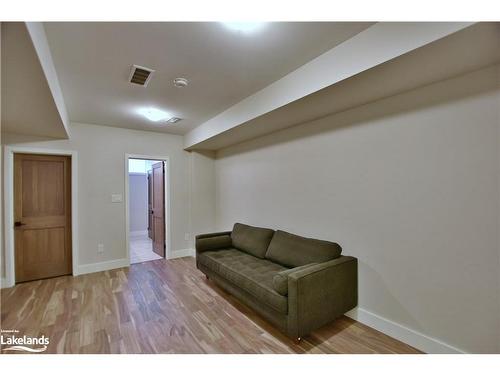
(141, 249)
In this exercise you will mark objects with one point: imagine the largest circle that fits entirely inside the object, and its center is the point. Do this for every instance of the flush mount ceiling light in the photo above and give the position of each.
(180, 82)
(244, 27)
(174, 120)
(154, 114)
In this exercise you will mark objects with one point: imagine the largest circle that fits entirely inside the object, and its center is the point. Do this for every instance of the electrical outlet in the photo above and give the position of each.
(187, 236)
(100, 248)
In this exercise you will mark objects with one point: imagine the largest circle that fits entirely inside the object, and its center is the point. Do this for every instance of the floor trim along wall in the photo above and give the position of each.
(119, 263)
(111, 264)
(407, 335)
(101, 266)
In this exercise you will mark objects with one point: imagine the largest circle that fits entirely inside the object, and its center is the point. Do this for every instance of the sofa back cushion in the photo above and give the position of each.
(252, 240)
(213, 243)
(291, 250)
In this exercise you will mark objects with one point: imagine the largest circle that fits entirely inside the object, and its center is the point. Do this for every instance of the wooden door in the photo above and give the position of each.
(42, 216)
(150, 205)
(158, 211)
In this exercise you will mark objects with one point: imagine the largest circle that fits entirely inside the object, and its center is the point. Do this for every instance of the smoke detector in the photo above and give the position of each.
(180, 82)
(140, 75)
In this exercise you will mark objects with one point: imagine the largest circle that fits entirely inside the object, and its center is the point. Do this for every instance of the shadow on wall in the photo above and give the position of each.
(436, 94)
(384, 297)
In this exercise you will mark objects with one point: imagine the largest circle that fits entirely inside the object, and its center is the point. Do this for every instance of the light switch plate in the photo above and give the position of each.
(116, 198)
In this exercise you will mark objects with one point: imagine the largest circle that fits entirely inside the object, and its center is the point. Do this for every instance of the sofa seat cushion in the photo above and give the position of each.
(252, 274)
(291, 250)
(252, 240)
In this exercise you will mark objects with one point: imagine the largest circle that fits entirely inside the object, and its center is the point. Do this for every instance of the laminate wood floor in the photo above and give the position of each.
(163, 306)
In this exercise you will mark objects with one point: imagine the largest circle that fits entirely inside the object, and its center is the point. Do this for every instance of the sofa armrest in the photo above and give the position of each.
(320, 293)
(212, 241)
(280, 280)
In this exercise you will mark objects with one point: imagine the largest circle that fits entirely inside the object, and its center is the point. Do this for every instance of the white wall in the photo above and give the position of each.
(138, 202)
(202, 192)
(101, 172)
(409, 185)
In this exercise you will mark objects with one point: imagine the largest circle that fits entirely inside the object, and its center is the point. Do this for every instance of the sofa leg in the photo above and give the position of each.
(206, 276)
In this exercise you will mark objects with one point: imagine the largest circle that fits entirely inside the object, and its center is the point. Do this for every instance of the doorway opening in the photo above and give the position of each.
(146, 209)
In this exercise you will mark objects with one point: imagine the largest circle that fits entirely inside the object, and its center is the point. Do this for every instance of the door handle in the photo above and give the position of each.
(18, 224)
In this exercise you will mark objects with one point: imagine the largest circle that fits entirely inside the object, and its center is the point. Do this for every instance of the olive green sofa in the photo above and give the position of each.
(297, 283)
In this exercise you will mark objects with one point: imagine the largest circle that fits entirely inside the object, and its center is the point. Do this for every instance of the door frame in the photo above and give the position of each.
(167, 205)
(10, 275)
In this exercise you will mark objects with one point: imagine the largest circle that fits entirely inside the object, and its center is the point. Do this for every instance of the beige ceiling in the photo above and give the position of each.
(28, 105)
(93, 62)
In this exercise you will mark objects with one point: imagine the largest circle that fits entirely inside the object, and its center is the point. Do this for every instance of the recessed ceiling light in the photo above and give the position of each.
(154, 114)
(180, 82)
(244, 27)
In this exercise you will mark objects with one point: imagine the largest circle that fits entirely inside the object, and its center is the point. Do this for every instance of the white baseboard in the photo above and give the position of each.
(85, 268)
(101, 266)
(182, 253)
(407, 335)
(138, 233)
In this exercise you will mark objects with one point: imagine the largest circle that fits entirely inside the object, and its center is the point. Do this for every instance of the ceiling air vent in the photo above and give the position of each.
(140, 75)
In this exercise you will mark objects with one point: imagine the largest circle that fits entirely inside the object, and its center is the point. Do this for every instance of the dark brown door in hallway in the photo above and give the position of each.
(158, 211)
(42, 216)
